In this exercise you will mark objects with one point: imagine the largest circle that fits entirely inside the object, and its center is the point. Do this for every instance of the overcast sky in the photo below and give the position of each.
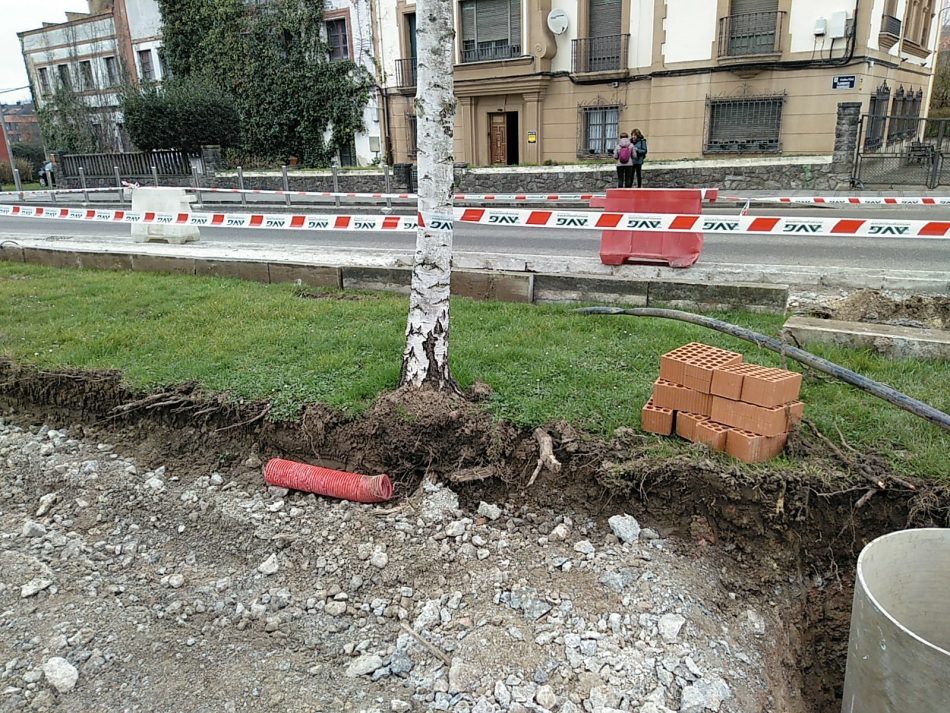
(19, 15)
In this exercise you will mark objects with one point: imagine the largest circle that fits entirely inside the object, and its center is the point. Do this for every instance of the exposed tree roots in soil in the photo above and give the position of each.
(802, 525)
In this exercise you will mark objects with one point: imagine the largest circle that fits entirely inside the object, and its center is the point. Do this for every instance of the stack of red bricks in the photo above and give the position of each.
(708, 395)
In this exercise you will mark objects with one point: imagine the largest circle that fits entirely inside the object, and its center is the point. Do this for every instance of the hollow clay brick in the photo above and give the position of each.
(686, 424)
(759, 385)
(675, 365)
(666, 394)
(752, 447)
(762, 420)
(655, 419)
(712, 434)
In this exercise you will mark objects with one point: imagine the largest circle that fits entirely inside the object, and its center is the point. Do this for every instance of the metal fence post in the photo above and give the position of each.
(155, 175)
(118, 181)
(194, 181)
(388, 185)
(241, 185)
(283, 170)
(336, 185)
(82, 182)
(17, 182)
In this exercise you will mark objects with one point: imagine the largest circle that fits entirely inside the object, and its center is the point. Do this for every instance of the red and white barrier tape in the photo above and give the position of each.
(47, 191)
(842, 200)
(573, 220)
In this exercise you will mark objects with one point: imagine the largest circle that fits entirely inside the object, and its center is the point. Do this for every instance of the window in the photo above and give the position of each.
(411, 128)
(600, 124)
(44, 80)
(163, 65)
(62, 71)
(749, 124)
(112, 71)
(877, 109)
(752, 27)
(85, 75)
(348, 153)
(145, 62)
(338, 38)
(491, 29)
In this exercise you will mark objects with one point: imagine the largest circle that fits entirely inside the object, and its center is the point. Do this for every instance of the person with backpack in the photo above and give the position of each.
(625, 154)
(639, 156)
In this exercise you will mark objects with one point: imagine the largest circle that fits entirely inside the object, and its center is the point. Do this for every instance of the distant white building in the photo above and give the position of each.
(93, 54)
(349, 32)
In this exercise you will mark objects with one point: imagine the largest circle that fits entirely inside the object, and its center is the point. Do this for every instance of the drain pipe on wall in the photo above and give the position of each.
(882, 391)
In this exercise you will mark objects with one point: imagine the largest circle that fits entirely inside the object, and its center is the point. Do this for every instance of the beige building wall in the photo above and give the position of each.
(668, 98)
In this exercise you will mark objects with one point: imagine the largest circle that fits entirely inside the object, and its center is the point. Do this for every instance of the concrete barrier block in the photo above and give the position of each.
(239, 270)
(503, 287)
(104, 261)
(11, 252)
(567, 289)
(771, 298)
(51, 258)
(163, 200)
(310, 275)
(377, 278)
(161, 263)
(897, 342)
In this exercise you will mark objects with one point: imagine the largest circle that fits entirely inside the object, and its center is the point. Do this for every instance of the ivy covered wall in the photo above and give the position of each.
(270, 56)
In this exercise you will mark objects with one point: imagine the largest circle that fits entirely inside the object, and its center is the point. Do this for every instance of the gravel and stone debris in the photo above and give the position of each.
(130, 584)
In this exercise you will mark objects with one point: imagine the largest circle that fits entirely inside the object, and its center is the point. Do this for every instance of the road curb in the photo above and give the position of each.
(484, 284)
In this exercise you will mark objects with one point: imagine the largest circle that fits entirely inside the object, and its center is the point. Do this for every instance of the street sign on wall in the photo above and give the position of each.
(843, 81)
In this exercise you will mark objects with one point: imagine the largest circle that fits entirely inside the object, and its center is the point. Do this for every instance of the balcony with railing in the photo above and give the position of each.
(600, 54)
(489, 51)
(750, 34)
(406, 73)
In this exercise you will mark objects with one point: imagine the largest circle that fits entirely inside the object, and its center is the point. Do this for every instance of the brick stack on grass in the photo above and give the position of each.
(709, 395)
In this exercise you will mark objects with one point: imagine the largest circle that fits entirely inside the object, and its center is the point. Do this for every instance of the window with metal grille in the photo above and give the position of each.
(751, 28)
(62, 71)
(877, 111)
(85, 75)
(746, 125)
(44, 80)
(145, 62)
(348, 153)
(491, 29)
(112, 71)
(600, 130)
(411, 128)
(338, 38)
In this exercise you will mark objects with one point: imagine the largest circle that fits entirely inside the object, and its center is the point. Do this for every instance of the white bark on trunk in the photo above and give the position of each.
(426, 358)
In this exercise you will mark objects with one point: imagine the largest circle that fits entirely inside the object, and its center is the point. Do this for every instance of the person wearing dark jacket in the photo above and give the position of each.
(639, 156)
(625, 155)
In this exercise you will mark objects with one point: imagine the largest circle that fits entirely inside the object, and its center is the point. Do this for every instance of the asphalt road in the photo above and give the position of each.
(878, 253)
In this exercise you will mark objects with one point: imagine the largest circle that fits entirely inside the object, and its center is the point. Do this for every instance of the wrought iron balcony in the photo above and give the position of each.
(890, 26)
(489, 51)
(600, 54)
(406, 73)
(753, 33)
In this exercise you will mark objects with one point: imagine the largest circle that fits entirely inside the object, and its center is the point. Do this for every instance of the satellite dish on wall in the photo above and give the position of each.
(558, 21)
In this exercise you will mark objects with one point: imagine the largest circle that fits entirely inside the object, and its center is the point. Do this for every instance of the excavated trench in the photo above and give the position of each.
(791, 534)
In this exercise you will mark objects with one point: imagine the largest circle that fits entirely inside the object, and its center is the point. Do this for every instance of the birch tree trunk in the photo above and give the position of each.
(426, 358)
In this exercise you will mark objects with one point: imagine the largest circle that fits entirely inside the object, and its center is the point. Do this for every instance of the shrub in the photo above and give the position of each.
(23, 166)
(184, 113)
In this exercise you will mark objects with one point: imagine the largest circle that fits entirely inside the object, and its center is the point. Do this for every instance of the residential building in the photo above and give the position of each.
(93, 54)
(348, 25)
(22, 125)
(558, 80)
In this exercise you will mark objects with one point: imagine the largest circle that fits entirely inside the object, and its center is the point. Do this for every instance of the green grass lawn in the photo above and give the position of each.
(543, 362)
(34, 186)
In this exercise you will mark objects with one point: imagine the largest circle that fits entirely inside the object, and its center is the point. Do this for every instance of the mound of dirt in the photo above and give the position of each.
(926, 311)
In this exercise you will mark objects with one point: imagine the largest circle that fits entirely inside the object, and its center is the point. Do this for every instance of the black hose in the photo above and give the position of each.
(882, 391)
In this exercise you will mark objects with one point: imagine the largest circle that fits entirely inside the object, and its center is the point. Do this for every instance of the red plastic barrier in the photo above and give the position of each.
(675, 249)
(324, 481)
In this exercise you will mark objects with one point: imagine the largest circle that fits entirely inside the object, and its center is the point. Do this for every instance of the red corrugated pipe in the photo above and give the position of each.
(324, 481)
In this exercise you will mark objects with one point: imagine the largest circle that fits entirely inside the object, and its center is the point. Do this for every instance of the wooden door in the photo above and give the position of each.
(498, 139)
